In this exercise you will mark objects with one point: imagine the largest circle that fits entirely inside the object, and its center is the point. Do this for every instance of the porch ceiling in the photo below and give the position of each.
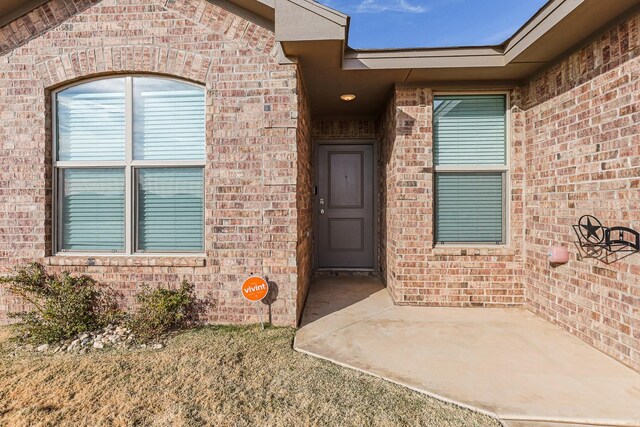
(331, 68)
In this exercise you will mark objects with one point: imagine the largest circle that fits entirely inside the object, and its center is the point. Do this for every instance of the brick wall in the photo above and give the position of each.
(252, 142)
(583, 151)
(304, 198)
(575, 150)
(418, 272)
(352, 128)
(386, 176)
(574, 145)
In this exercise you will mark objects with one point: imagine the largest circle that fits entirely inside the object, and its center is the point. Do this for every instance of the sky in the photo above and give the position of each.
(433, 23)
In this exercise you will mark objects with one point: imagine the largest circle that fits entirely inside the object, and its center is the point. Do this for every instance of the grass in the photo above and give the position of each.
(220, 376)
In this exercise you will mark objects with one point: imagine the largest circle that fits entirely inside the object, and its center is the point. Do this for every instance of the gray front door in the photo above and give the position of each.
(345, 206)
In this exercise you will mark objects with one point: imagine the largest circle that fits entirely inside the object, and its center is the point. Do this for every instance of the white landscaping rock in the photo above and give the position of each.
(114, 336)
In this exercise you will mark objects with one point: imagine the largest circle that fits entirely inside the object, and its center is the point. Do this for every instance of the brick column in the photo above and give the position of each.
(407, 163)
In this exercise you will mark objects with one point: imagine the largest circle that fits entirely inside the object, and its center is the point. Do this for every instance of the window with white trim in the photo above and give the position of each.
(129, 157)
(471, 168)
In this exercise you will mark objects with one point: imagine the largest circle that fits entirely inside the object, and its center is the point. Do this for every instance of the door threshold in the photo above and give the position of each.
(328, 272)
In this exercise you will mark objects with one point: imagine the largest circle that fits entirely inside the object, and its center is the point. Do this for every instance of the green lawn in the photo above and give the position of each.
(222, 376)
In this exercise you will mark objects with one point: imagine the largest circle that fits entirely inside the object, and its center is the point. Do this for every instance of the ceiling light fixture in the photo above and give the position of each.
(347, 97)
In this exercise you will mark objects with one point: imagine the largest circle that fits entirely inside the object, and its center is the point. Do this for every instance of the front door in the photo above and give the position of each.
(345, 206)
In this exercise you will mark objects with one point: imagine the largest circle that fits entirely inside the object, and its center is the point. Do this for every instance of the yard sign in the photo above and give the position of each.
(255, 289)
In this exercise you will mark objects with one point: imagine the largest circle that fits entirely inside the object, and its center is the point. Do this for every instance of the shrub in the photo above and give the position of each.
(162, 311)
(64, 306)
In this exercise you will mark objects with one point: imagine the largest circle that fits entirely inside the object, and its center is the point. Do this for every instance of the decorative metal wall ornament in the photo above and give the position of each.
(593, 235)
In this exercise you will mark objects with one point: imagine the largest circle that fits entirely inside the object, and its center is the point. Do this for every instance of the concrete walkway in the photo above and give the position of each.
(504, 362)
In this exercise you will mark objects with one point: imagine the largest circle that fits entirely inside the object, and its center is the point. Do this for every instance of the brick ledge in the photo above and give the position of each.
(126, 261)
(472, 251)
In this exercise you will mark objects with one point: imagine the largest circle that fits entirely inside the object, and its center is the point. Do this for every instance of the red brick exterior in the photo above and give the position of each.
(575, 150)
(574, 145)
(304, 199)
(583, 155)
(415, 269)
(252, 141)
(331, 128)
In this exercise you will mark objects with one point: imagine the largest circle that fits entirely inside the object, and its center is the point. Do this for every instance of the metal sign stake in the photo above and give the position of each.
(261, 322)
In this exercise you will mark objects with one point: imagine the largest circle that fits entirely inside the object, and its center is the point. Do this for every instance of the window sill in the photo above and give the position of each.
(481, 250)
(126, 261)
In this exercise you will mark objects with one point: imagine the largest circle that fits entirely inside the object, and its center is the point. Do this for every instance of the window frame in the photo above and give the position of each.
(128, 164)
(504, 170)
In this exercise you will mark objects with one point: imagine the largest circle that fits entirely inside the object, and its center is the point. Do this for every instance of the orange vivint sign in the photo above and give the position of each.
(255, 288)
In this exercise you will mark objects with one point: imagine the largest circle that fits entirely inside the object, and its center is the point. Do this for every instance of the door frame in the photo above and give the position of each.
(317, 142)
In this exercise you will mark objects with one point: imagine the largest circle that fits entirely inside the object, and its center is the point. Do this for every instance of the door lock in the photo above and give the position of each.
(321, 211)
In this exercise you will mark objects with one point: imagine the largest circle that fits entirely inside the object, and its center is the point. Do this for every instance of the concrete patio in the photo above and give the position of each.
(504, 362)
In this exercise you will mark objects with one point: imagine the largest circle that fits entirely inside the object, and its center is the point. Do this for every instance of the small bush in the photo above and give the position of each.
(162, 311)
(64, 306)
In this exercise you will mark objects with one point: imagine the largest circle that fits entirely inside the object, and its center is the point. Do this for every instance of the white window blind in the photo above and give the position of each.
(91, 121)
(169, 120)
(170, 209)
(469, 207)
(130, 157)
(93, 209)
(469, 130)
(470, 146)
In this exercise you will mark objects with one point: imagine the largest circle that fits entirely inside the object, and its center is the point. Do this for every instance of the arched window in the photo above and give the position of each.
(129, 156)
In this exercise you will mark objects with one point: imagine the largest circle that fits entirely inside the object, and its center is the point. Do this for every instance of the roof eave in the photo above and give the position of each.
(303, 20)
(465, 56)
(262, 8)
(485, 56)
